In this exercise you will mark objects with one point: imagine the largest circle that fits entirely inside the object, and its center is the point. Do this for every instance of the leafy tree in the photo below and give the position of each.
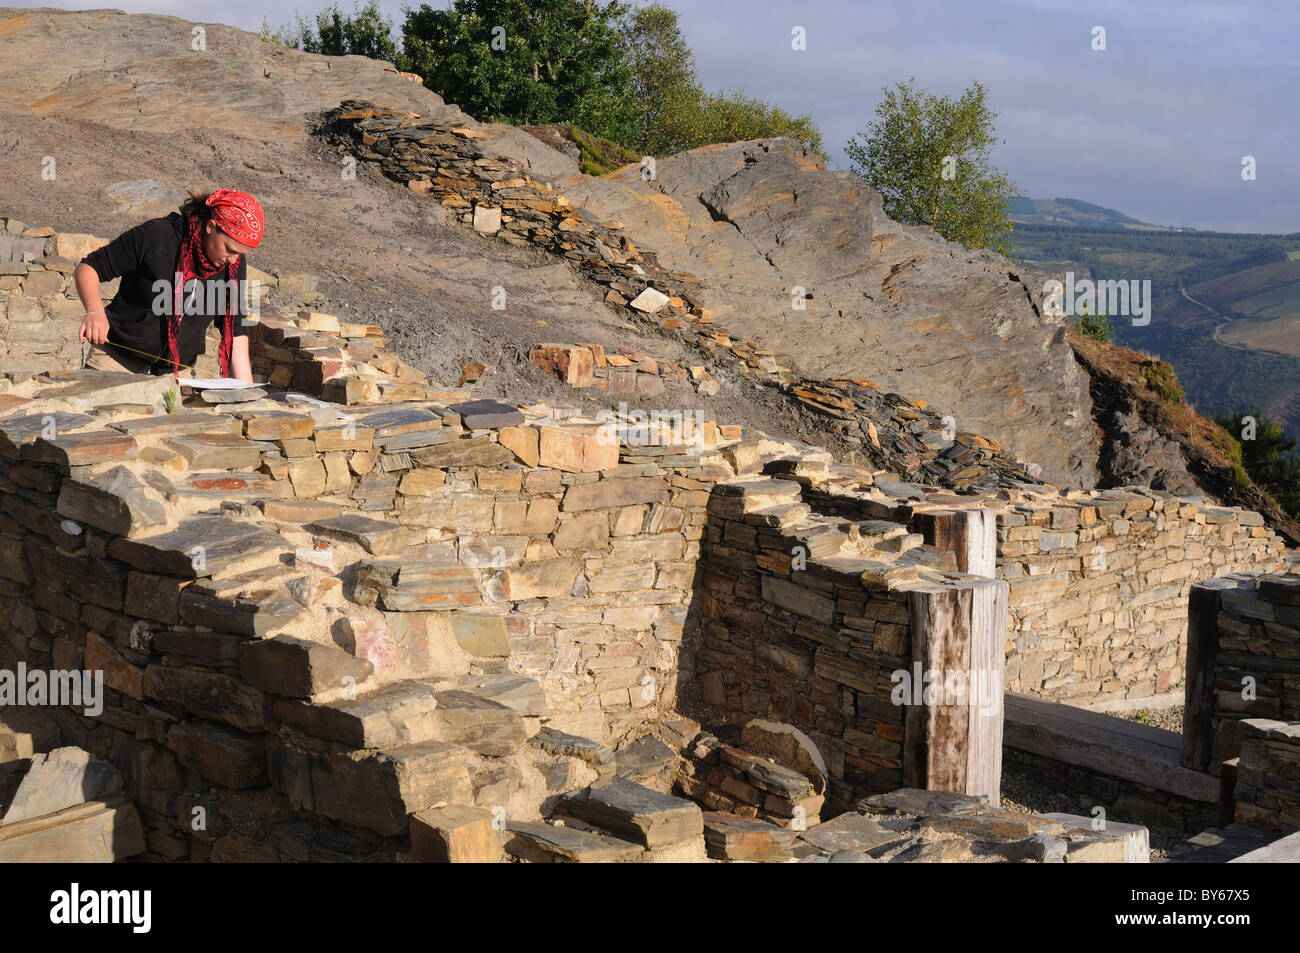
(928, 157)
(664, 85)
(1270, 458)
(367, 32)
(527, 61)
(675, 111)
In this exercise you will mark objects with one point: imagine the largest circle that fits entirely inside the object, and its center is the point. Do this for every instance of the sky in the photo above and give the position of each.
(1157, 124)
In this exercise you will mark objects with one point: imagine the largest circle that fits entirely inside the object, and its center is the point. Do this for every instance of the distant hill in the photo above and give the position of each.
(1063, 212)
(1227, 305)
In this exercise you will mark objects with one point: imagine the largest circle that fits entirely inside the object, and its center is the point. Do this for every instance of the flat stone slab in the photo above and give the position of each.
(241, 395)
(479, 724)
(181, 423)
(218, 451)
(23, 428)
(398, 713)
(732, 837)
(419, 585)
(524, 695)
(644, 758)
(482, 414)
(556, 742)
(636, 812)
(81, 449)
(63, 778)
(199, 546)
(852, 831)
(377, 536)
(1116, 843)
(918, 803)
(539, 842)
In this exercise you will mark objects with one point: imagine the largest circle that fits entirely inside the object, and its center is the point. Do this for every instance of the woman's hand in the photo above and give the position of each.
(94, 328)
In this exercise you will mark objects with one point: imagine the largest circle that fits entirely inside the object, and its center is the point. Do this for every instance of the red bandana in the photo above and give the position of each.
(239, 216)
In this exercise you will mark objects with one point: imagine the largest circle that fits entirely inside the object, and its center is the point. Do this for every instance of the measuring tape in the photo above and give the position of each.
(85, 357)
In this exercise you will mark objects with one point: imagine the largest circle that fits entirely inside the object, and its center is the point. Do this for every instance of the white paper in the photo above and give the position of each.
(215, 383)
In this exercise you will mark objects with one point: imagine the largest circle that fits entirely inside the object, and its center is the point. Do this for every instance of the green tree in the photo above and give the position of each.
(733, 116)
(367, 32)
(664, 85)
(527, 61)
(1268, 455)
(928, 157)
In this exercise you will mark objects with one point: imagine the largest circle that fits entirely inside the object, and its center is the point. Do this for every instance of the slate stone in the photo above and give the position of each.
(524, 695)
(63, 778)
(851, 831)
(222, 755)
(81, 449)
(401, 442)
(115, 502)
(236, 395)
(381, 791)
(732, 837)
(397, 713)
(455, 834)
(464, 452)
(646, 757)
(417, 586)
(538, 842)
(223, 544)
(630, 810)
(483, 414)
(376, 536)
(257, 615)
(209, 695)
(556, 742)
(918, 803)
(298, 668)
(182, 423)
(479, 724)
(216, 451)
(482, 636)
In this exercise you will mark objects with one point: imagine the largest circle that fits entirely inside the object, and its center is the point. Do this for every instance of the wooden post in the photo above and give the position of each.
(1202, 650)
(958, 632)
(971, 535)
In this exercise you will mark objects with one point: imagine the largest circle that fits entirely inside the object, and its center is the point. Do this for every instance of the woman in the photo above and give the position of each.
(148, 328)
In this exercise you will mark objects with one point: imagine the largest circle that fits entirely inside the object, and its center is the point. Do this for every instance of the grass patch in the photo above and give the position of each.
(1160, 377)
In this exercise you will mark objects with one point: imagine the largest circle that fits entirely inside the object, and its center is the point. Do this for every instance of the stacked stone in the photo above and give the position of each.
(1268, 775)
(805, 618)
(493, 194)
(40, 315)
(728, 779)
(1099, 586)
(198, 559)
(1248, 627)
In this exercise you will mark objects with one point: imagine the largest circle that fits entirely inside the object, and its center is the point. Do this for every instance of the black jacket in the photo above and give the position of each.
(138, 314)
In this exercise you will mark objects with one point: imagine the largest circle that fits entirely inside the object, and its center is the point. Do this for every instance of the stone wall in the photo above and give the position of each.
(805, 618)
(1099, 588)
(1243, 661)
(1267, 792)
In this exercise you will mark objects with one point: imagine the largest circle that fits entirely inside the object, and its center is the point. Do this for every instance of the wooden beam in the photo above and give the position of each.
(1202, 649)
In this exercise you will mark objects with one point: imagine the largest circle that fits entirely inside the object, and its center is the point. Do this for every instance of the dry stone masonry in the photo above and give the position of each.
(350, 613)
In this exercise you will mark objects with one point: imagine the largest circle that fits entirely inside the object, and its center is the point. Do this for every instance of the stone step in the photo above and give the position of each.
(376, 790)
(732, 837)
(635, 812)
(539, 842)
